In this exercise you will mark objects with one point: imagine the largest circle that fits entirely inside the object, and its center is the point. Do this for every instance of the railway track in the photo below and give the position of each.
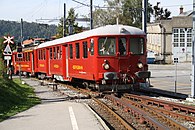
(114, 120)
(139, 112)
(154, 117)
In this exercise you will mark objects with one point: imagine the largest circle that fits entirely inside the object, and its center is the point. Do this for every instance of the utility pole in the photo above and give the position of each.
(144, 15)
(21, 30)
(64, 21)
(91, 14)
(193, 55)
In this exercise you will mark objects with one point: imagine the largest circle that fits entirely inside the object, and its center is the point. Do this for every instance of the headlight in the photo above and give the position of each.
(106, 66)
(140, 65)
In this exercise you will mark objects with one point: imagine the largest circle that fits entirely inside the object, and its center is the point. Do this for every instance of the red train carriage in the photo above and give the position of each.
(112, 57)
(24, 64)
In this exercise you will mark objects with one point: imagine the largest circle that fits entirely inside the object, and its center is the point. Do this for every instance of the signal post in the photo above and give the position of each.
(7, 53)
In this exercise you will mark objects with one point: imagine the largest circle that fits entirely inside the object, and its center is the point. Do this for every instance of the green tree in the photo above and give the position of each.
(12, 28)
(128, 12)
(160, 13)
(70, 21)
(2, 67)
(104, 16)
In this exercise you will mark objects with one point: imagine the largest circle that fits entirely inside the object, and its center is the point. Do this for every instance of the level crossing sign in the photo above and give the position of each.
(8, 40)
(7, 50)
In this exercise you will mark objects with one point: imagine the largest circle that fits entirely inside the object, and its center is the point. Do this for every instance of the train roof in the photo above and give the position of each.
(101, 31)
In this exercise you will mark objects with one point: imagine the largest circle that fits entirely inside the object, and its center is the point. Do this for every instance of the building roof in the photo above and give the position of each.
(187, 13)
(30, 41)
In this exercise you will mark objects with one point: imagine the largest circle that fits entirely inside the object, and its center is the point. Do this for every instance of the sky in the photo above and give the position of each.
(34, 10)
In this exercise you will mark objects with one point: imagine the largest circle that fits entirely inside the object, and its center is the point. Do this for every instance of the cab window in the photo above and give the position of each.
(137, 46)
(107, 46)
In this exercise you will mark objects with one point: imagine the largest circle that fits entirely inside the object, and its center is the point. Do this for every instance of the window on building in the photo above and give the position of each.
(77, 51)
(182, 44)
(189, 44)
(189, 38)
(175, 37)
(70, 51)
(175, 44)
(85, 52)
(182, 37)
(175, 30)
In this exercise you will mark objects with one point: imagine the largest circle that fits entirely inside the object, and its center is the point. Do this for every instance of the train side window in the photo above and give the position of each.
(60, 52)
(77, 51)
(70, 51)
(85, 53)
(41, 54)
(44, 55)
(92, 47)
(57, 52)
(50, 51)
(54, 53)
(28, 56)
(137, 46)
(24, 56)
(16, 59)
(38, 54)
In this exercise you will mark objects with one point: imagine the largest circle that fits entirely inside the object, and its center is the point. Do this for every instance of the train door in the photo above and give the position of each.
(66, 52)
(122, 49)
(49, 60)
(32, 59)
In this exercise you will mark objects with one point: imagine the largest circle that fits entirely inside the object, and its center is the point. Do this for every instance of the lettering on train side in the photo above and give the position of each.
(56, 66)
(41, 65)
(77, 67)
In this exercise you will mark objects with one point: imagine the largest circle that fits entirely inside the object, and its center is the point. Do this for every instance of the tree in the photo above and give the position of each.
(128, 12)
(104, 16)
(70, 22)
(159, 13)
(2, 66)
(12, 28)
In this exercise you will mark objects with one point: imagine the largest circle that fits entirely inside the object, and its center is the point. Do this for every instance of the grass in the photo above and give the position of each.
(15, 97)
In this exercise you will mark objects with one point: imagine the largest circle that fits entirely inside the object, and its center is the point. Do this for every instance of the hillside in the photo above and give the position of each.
(15, 97)
(29, 29)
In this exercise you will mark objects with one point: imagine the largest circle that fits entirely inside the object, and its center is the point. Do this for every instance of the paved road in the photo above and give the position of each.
(163, 77)
(54, 113)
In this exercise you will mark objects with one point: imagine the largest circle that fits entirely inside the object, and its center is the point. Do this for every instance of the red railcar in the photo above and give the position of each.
(112, 57)
(24, 64)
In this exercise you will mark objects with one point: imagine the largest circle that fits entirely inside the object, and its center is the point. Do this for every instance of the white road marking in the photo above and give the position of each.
(73, 119)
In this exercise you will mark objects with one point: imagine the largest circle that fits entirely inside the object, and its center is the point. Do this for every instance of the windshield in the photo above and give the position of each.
(137, 46)
(107, 46)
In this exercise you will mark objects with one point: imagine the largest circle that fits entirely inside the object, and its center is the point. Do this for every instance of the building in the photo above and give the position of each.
(171, 38)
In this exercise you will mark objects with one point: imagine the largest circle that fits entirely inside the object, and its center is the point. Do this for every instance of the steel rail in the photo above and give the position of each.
(122, 121)
(171, 123)
(138, 113)
(174, 114)
(161, 103)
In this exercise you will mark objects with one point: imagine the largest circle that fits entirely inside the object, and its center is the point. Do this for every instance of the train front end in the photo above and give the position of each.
(121, 61)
